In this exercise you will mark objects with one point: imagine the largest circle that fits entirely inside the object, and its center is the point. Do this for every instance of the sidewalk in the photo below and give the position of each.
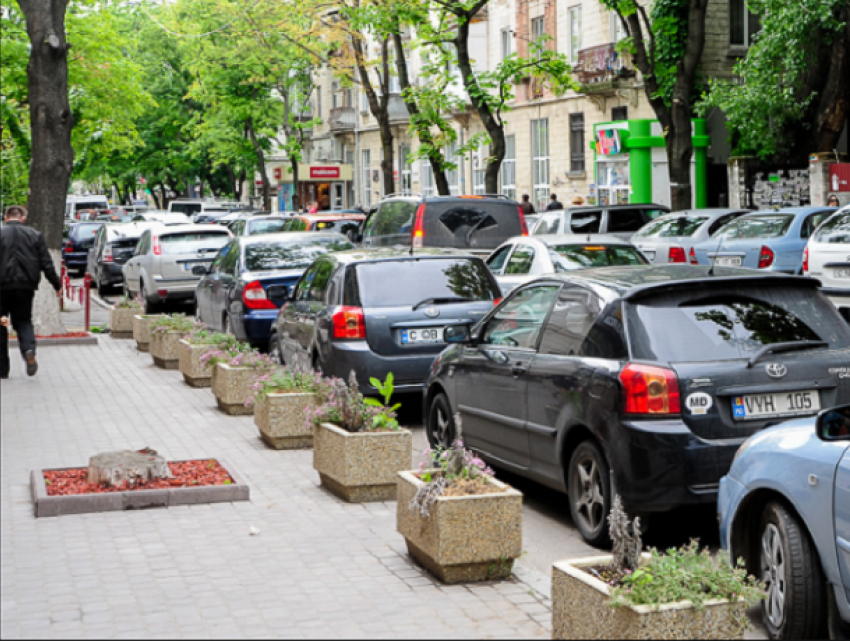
(319, 568)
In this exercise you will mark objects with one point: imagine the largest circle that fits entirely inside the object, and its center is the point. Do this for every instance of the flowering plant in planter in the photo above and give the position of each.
(125, 302)
(345, 407)
(236, 354)
(174, 323)
(288, 381)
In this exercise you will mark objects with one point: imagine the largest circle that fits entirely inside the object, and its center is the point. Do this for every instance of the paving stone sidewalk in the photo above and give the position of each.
(319, 568)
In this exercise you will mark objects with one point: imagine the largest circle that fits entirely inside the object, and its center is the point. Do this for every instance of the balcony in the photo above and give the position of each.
(602, 65)
(397, 110)
(342, 119)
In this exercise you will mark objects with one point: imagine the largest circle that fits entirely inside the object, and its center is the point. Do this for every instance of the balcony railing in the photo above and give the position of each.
(342, 119)
(602, 64)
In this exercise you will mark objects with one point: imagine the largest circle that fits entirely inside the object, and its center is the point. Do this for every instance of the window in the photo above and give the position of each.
(478, 171)
(303, 290)
(509, 168)
(624, 220)
(506, 36)
(521, 260)
(519, 321)
(538, 30)
(570, 323)
(540, 163)
(618, 31)
(721, 222)
(586, 222)
(743, 24)
(619, 113)
(453, 175)
(497, 261)
(335, 95)
(320, 281)
(318, 101)
(427, 183)
(575, 33)
(367, 177)
(403, 154)
(364, 102)
(812, 222)
(577, 142)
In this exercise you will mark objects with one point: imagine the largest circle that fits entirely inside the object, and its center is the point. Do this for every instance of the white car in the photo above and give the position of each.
(827, 258)
(522, 258)
(671, 238)
(164, 217)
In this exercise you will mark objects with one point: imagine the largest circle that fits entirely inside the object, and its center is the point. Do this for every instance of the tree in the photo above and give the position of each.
(667, 46)
(791, 97)
(14, 116)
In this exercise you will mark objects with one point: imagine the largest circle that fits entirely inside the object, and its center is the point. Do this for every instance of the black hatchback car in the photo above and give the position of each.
(75, 252)
(657, 374)
(381, 311)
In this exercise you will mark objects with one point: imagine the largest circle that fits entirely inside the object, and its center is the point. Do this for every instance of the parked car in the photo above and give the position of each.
(251, 277)
(75, 203)
(161, 268)
(669, 238)
(113, 246)
(82, 215)
(115, 216)
(381, 311)
(520, 259)
(75, 252)
(616, 220)
(192, 206)
(469, 223)
(784, 508)
(346, 224)
(827, 257)
(772, 241)
(654, 373)
(159, 216)
(253, 225)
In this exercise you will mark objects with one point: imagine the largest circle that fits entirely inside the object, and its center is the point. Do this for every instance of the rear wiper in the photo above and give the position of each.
(435, 301)
(791, 346)
(475, 227)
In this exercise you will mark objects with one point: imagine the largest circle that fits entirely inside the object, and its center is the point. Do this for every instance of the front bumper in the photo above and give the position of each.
(729, 497)
(409, 372)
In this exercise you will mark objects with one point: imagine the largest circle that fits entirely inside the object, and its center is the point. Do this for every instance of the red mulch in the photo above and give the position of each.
(186, 474)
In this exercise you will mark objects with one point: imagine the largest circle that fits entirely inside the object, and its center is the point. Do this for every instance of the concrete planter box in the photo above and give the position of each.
(189, 362)
(362, 466)
(163, 349)
(581, 610)
(121, 321)
(142, 331)
(280, 419)
(465, 538)
(231, 386)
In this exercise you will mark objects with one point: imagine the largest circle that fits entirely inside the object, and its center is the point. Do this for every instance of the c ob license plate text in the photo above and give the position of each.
(751, 406)
(423, 335)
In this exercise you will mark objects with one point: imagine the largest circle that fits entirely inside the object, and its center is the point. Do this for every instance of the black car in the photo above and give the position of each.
(80, 239)
(113, 246)
(655, 373)
(381, 311)
(471, 223)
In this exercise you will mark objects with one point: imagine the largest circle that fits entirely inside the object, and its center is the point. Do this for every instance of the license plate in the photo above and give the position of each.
(727, 261)
(842, 272)
(758, 406)
(422, 335)
(187, 267)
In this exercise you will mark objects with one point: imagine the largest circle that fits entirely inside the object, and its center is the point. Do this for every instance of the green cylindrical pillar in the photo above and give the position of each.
(700, 164)
(640, 163)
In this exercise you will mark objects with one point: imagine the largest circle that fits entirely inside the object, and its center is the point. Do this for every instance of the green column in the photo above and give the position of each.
(700, 143)
(640, 163)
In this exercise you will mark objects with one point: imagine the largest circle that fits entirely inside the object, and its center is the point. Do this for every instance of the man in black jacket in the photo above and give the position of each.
(23, 256)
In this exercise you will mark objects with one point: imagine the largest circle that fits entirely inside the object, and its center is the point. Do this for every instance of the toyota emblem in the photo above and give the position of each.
(432, 312)
(776, 370)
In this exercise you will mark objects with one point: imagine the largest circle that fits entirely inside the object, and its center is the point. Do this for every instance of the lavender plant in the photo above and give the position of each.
(345, 407)
(287, 381)
(173, 323)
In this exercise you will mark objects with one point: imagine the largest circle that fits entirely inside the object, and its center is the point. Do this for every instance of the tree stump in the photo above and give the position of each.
(112, 468)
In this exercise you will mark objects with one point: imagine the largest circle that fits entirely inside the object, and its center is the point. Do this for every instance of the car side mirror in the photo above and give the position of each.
(200, 270)
(458, 334)
(834, 424)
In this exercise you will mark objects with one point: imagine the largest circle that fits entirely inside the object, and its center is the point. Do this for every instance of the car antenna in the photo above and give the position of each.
(716, 250)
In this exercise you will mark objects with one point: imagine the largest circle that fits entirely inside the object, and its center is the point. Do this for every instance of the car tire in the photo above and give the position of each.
(150, 307)
(228, 326)
(275, 352)
(589, 491)
(440, 429)
(789, 566)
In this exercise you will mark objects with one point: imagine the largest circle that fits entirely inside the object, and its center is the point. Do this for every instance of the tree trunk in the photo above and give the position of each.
(121, 199)
(51, 123)
(156, 199)
(296, 185)
(261, 165)
(378, 105)
(387, 145)
(834, 106)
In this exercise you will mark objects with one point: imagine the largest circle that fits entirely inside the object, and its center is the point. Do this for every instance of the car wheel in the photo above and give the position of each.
(275, 352)
(589, 489)
(102, 289)
(796, 606)
(441, 423)
(150, 307)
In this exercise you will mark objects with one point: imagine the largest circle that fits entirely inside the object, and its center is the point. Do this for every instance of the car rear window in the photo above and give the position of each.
(265, 226)
(84, 232)
(835, 230)
(680, 227)
(548, 224)
(186, 208)
(568, 257)
(768, 226)
(470, 223)
(416, 280)
(731, 323)
(191, 242)
(268, 256)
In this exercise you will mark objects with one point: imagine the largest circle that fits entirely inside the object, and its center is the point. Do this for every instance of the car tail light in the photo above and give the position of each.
(496, 301)
(107, 255)
(349, 323)
(69, 247)
(676, 255)
(523, 226)
(254, 296)
(157, 247)
(162, 293)
(806, 259)
(766, 257)
(693, 256)
(650, 390)
(419, 228)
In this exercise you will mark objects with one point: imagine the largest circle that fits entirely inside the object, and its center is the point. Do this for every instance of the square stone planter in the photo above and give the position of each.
(465, 538)
(189, 362)
(121, 321)
(163, 349)
(581, 610)
(280, 419)
(142, 331)
(231, 386)
(362, 466)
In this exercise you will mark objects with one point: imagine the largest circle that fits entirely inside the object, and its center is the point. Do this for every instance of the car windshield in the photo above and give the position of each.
(192, 242)
(288, 255)
(548, 224)
(569, 257)
(185, 208)
(836, 230)
(731, 323)
(769, 226)
(265, 226)
(416, 280)
(679, 227)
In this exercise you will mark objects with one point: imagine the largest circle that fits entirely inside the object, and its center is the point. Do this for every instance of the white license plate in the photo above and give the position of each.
(843, 272)
(422, 335)
(728, 261)
(757, 406)
(187, 267)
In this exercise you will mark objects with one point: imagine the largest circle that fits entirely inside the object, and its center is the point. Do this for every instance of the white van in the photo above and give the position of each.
(193, 206)
(75, 203)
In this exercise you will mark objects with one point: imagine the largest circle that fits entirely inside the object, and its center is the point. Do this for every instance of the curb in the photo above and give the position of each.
(99, 301)
(46, 342)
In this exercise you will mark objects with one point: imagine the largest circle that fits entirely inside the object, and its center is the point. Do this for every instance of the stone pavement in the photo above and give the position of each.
(318, 568)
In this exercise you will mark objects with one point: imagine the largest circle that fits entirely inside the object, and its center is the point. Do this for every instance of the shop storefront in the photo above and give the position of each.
(630, 164)
(328, 185)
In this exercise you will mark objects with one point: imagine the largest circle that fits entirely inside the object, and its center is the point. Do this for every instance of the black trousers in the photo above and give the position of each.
(16, 304)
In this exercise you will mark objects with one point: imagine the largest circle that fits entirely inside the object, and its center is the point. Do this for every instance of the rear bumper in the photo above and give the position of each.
(76, 260)
(175, 288)
(409, 372)
(258, 324)
(111, 273)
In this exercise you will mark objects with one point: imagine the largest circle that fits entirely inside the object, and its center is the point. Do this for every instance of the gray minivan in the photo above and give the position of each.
(616, 220)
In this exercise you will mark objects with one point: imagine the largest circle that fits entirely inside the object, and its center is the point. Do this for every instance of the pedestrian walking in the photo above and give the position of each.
(23, 257)
(526, 206)
(554, 204)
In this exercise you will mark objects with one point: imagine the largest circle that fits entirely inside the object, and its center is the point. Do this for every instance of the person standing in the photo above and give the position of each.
(526, 206)
(554, 204)
(23, 257)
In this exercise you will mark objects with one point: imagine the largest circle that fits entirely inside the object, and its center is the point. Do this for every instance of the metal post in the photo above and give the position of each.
(87, 286)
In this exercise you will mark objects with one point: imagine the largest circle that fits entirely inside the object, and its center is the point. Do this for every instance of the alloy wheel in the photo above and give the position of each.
(588, 493)
(773, 574)
(442, 427)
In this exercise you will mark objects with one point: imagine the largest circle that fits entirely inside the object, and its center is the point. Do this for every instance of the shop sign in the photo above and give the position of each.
(278, 173)
(608, 142)
(324, 172)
